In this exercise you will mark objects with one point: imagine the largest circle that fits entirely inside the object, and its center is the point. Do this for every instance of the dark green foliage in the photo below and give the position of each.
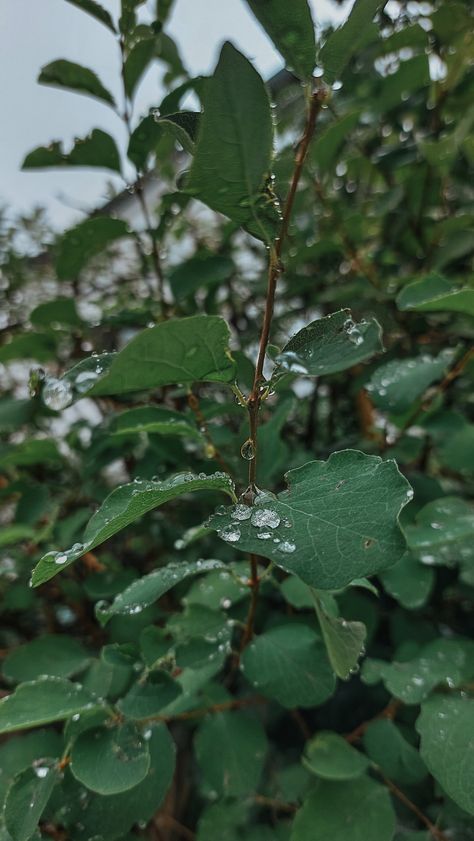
(236, 592)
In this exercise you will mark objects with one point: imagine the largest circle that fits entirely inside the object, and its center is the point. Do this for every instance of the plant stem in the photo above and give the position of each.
(398, 793)
(274, 270)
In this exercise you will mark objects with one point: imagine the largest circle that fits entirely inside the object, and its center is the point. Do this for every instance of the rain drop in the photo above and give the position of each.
(57, 394)
(247, 450)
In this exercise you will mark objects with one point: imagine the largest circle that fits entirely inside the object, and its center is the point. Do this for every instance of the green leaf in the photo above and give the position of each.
(435, 293)
(110, 760)
(14, 413)
(233, 770)
(409, 582)
(147, 699)
(331, 757)
(234, 148)
(346, 41)
(136, 63)
(359, 809)
(184, 350)
(203, 270)
(443, 533)
(327, 144)
(42, 701)
(289, 663)
(61, 311)
(29, 346)
(114, 815)
(183, 126)
(67, 74)
(444, 662)
(30, 452)
(446, 727)
(331, 344)
(337, 521)
(98, 149)
(398, 759)
(144, 140)
(52, 655)
(151, 587)
(78, 245)
(411, 75)
(27, 799)
(344, 640)
(122, 507)
(291, 28)
(20, 752)
(96, 11)
(396, 385)
(153, 420)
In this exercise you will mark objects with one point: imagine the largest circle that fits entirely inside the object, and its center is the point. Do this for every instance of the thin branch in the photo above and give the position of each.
(389, 712)
(399, 794)
(235, 704)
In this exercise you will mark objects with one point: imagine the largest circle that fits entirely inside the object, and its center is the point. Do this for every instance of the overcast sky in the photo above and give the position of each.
(35, 32)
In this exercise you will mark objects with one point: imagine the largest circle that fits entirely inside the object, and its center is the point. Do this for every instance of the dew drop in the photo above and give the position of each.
(287, 547)
(230, 533)
(57, 394)
(61, 558)
(265, 517)
(85, 381)
(247, 450)
(241, 512)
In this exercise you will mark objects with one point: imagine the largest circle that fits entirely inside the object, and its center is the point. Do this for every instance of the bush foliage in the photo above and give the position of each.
(238, 538)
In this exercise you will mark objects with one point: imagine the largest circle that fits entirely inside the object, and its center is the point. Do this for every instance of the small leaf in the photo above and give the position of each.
(137, 62)
(337, 521)
(96, 11)
(154, 420)
(183, 126)
(184, 350)
(98, 149)
(234, 148)
(444, 662)
(358, 809)
(291, 28)
(110, 760)
(203, 270)
(22, 751)
(288, 663)
(144, 140)
(396, 385)
(27, 799)
(398, 759)
(443, 533)
(446, 727)
(61, 311)
(346, 41)
(331, 757)
(409, 581)
(50, 654)
(42, 701)
(145, 700)
(78, 245)
(67, 74)
(233, 770)
(331, 344)
(151, 587)
(344, 640)
(122, 507)
(114, 815)
(435, 293)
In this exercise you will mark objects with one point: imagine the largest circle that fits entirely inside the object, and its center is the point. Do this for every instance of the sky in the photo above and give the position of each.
(36, 32)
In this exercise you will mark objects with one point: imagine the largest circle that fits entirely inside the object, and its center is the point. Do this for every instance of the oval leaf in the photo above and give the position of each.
(110, 760)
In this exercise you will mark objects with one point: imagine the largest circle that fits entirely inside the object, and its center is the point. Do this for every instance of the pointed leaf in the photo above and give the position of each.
(151, 587)
(446, 727)
(396, 385)
(331, 344)
(67, 74)
(110, 760)
(122, 507)
(41, 701)
(291, 28)
(331, 757)
(80, 244)
(98, 149)
(27, 799)
(337, 521)
(184, 350)
(344, 640)
(234, 148)
(183, 126)
(358, 809)
(136, 64)
(96, 11)
(289, 664)
(345, 42)
(435, 293)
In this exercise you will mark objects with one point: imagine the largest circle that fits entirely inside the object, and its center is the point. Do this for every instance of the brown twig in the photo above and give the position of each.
(225, 706)
(398, 793)
(275, 805)
(389, 712)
